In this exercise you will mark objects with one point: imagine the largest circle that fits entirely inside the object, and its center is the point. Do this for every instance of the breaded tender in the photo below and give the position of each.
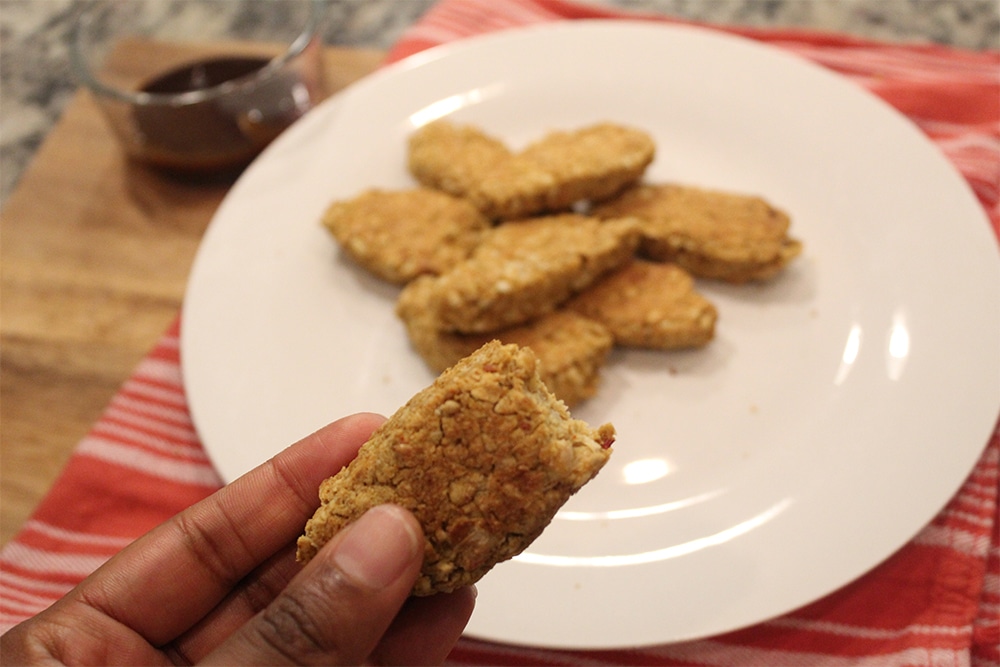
(401, 234)
(520, 271)
(650, 305)
(453, 158)
(571, 349)
(484, 458)
(712, 234)
(590, 164)
(550, 175)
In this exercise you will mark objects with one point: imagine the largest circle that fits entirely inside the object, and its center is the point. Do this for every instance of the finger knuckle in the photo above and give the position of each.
(291, 627)
(220, 553)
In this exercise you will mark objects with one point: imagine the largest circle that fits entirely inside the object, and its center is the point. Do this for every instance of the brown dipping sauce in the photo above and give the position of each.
(216, 136)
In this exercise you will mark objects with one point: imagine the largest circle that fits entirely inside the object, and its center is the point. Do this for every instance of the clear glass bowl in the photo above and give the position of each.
(185, 97)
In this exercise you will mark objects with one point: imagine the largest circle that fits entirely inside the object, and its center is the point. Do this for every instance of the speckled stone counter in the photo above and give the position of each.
(36, 83)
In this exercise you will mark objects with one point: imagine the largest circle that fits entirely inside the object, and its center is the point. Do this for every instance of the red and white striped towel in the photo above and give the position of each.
(935, 602)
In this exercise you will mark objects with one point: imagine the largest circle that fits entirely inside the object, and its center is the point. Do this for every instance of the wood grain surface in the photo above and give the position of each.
(94, 259)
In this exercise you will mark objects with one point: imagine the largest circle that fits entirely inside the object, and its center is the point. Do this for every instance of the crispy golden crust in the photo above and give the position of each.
(520, 271)
(712, 234)
(399, 235)
(550, 175)
(453, 158)
(563, 168)
(571, 349)
(484, 458)
(651, 305)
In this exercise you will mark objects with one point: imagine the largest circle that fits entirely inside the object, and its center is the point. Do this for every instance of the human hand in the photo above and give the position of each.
(218, 583)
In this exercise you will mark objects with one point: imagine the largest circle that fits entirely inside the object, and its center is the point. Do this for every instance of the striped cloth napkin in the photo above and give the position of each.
(934, 602)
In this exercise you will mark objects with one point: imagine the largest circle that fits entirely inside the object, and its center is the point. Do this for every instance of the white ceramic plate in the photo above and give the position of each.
(839, 408)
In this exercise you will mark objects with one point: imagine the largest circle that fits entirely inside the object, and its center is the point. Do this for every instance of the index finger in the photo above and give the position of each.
(167, 580)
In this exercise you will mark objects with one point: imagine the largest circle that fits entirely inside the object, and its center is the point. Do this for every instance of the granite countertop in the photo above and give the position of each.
(35, 79)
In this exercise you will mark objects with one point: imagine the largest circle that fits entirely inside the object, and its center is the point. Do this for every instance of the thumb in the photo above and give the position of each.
(336, 610)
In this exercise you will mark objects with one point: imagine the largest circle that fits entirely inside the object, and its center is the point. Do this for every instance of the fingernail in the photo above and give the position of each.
(378, 547)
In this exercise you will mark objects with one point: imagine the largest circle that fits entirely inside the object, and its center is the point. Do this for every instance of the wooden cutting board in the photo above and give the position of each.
(94, 258)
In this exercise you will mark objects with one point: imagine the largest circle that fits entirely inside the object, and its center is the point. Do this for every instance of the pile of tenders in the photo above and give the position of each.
(560, 247)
